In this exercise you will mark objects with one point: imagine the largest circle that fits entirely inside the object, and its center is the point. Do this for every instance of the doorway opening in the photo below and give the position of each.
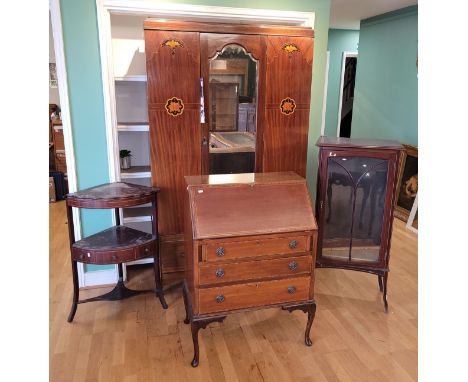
(347, 84)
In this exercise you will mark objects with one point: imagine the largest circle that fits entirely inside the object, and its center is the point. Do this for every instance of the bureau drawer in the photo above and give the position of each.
(248, 270)
(253, 294)
(146, 251)
(225, 250)
(103, 257)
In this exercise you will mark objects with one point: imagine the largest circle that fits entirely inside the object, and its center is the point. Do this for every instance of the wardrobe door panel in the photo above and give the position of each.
(173, 69)
(288, 84)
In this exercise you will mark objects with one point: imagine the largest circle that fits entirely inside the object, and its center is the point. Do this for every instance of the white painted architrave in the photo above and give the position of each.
(343, 66)
(154, 8)
(56, 22)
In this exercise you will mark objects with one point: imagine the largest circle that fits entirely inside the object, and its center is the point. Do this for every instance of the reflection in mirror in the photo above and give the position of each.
(232, 110)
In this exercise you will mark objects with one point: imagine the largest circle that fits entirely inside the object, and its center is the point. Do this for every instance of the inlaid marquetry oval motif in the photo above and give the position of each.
(173, 44)
(287, 106)
(291, 48)
(174, 106)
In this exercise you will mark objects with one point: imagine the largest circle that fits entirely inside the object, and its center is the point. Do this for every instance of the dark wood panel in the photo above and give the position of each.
(253, 294)
(286, 139)
(173, 71)
(248, 270)
(174, 25)
(288, 75)
(175, 153)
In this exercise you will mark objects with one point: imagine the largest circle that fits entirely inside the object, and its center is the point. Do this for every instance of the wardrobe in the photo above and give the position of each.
(222, 99)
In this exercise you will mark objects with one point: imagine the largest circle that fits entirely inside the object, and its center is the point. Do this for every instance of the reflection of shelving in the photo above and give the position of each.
(136, 172)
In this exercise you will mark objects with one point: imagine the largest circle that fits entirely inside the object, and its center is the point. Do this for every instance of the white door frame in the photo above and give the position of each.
(57, 32)
(343, 66)
(154, 8)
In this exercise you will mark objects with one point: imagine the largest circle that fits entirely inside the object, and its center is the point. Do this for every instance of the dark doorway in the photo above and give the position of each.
(347, 99)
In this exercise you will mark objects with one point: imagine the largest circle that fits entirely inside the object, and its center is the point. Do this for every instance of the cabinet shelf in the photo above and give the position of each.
(133, 78)
(132, 126)
(137, 215)
(136, 172)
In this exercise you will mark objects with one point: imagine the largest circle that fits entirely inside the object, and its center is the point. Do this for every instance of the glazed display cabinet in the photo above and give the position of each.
(356, 189)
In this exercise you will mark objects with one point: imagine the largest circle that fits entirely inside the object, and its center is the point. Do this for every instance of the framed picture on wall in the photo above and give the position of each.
(407, 187)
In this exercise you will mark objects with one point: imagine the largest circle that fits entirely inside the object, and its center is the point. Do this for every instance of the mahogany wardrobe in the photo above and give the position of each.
(222, 98)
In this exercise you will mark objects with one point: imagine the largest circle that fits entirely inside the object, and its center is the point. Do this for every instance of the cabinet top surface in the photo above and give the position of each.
(238, 28)
(359, 143)
(245, 178)
(249, 204)
(113, 191)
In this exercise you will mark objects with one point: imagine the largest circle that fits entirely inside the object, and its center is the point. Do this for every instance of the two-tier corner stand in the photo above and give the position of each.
(118, 244)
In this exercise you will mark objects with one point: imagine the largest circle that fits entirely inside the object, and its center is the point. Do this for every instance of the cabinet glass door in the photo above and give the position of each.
(354, 208)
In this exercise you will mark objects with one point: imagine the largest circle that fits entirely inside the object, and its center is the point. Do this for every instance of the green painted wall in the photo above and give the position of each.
(339, 41)
(80, 35)
(86, 105)
(386, 93)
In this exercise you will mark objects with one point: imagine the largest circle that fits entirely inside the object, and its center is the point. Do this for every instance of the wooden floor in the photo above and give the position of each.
(135, 340)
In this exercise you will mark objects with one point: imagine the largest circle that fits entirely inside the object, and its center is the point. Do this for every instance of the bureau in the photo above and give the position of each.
(250, 244)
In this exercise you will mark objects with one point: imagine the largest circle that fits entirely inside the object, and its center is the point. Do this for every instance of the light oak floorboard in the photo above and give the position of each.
(136, 340)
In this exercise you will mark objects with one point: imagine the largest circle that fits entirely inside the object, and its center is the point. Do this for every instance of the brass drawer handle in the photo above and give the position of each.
(292, 265)
(219, 298)
(220, 251)
(146, 249)
(293, 244)
(114, 257)
(82, 256)
(220, 272)
(291, 290)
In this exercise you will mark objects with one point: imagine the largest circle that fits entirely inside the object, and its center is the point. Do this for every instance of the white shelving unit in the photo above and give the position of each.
(132, 112)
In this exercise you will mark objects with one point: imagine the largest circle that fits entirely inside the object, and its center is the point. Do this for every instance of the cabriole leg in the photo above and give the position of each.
(187, 315)
(310, 320)
(310, 309)
(196, 326)
(196, 352)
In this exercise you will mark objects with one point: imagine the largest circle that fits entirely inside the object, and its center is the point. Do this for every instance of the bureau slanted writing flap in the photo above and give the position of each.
(269, 204)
